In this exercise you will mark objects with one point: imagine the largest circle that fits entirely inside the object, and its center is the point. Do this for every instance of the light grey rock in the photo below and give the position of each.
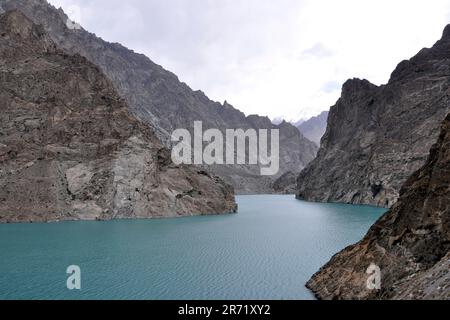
(70, 149)
(158, 98)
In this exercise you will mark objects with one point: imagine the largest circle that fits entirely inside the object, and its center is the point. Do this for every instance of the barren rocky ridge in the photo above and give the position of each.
(70, 149)
(410, 243)
(314, 128)
(378, 136)
(158, 98)
(375, 137)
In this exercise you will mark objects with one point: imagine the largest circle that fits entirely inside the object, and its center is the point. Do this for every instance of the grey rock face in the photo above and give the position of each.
(158, 98)
(70, 149)
(286, 184)
(378, 136)
(410, 244)
(314, 128)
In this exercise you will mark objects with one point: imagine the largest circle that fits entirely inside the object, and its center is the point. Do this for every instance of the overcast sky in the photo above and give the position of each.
(280, 58)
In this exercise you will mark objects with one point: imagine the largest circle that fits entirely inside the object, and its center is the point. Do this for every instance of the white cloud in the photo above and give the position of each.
(284, 58)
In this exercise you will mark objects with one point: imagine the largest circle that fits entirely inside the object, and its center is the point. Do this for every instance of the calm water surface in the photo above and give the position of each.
(267, 251)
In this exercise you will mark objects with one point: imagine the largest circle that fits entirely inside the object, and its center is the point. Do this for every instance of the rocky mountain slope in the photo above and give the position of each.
(314, 128)
(410, 244)
(70, 149)
(378, 136)
(158, 98)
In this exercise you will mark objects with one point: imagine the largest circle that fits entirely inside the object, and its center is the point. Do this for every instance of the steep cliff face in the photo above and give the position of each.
(378, 136)
(410, 243)
(158, 98)
(70, 149)
(286, 184)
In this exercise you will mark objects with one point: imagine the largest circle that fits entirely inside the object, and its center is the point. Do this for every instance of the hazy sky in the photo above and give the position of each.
(280, 58)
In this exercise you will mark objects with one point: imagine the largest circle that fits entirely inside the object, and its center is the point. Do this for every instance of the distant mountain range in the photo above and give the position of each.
(410, 244)
(314, 128)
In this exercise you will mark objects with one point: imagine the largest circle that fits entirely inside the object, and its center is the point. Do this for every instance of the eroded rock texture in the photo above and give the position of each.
(158, 98)
(378, 136)
(411, 243)
(70, 149)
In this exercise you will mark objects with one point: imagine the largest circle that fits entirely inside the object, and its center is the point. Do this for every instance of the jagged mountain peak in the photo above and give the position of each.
(446, 33)
(16, 24)
(289, 127)
(410, 243)
(355, 85)
(158, 98)
(377, 136)
(258, 121)
(314, 128)
(424, 60)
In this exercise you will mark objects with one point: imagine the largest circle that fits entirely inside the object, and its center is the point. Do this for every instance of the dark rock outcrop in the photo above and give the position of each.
(70, 148)
(157, 97)
(410, 243)
(286, 184)
(378, 136)
(314, 128)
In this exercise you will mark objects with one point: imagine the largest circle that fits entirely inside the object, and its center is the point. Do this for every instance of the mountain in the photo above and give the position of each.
(286, 183)
(158, 98)
(71, 150)
(314, 128)
(410, 244)
(298, 123)
(377, 136)
(277, 121)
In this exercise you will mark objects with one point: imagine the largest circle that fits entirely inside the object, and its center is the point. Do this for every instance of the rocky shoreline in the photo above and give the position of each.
(376, 151)
(410, 244)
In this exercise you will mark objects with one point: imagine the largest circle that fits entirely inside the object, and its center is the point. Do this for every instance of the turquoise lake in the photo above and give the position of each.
(268, 250)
